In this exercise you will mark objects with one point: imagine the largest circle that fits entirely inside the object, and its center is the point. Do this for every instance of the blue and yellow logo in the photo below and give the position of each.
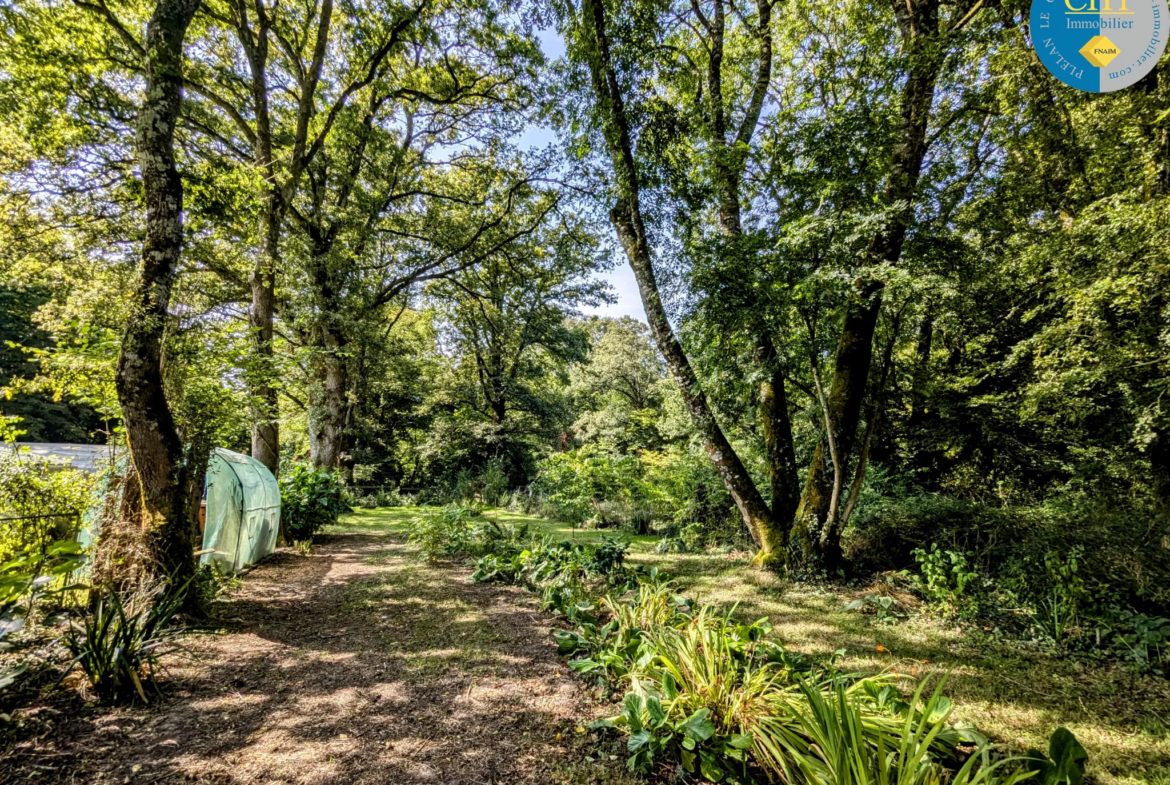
(1099, 45)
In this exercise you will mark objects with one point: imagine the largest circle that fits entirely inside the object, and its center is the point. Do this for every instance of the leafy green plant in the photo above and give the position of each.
(309, 499)
(671, 545)
(883, 607)
(692, 740)
(210, 583)
(32, 575)
(41, 504)
(1142, 640)
(945, 579)
(429, 534)
(462, 529)
(1063, 765)
(1061, 609)
(119, 644)
(731, 704)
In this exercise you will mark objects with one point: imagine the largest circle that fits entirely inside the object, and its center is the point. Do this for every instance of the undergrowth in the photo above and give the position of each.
(726, 702)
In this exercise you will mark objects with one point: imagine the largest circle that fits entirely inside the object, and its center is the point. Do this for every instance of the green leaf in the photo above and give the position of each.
(638, 740)
(740, 742)
(584, 666)
(657, 713)
(709, 766)
(632, 710)
(697, 726)
(1068, 757)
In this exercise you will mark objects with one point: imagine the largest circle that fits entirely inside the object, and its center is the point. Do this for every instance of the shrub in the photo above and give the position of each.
(585, 484)
(493, 484)
(30, 576)
(729, 704)
(119, 644)
(30, 489)
(461, 530)
(945, 579)
(309, 499)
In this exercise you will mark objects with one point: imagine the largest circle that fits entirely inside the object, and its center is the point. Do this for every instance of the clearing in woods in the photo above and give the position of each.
(359, 664)
(354, 664)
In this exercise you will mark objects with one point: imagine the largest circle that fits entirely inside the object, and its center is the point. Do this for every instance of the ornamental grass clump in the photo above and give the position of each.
(118, 645)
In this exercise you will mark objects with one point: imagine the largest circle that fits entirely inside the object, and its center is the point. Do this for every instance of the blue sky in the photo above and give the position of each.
(621, 277)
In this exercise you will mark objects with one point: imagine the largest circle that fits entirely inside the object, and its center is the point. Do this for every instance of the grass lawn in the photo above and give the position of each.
(1016, 695)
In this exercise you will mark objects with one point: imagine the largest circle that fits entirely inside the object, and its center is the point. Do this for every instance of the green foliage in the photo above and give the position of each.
(945, 578)
(1061, 610)
(118, 645)
(32, 575)
(1141, 640)
(210, 583)
(883, 607)
(462, 530)
(45, 417)
(731, 704)
(46, 501)
(574, 483)
(1063, 765)
(309, 499)
(27, 577)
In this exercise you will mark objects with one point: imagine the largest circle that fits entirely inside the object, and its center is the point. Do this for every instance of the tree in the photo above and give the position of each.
(620, 388)
(161, 473)
(506, 321)
(591, 43)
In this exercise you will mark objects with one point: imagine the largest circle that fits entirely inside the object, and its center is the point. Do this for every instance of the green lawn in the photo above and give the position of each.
(1016, 695)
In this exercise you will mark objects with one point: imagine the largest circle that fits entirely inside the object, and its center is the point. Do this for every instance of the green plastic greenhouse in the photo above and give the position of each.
(243, 511)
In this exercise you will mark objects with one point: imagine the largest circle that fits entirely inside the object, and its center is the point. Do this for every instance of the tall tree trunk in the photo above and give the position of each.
(779, 449)
(922, 368)
(626, 217)
(729, 164)
(818, 537)
(265, 431)
(328, 410)
(155, 447)
(265, 427)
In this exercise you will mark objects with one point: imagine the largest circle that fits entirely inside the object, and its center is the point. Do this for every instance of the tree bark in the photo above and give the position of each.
(265, 411)
(729, 164)
(922, 368)
(328, 412)
(163, 480)
(918, 23)
(780, 450)
(626, 216)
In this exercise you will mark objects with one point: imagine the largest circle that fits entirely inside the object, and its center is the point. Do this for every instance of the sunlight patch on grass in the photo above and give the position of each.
(1018, 696)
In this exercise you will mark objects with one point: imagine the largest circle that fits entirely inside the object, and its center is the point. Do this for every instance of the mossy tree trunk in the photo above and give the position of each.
(626, 216)
(816, 530)
(161, 472)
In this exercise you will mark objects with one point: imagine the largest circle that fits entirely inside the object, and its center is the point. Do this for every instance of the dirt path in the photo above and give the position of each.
(355, 664)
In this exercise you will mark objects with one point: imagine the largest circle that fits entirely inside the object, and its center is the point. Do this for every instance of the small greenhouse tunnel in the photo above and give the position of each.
(243, 511)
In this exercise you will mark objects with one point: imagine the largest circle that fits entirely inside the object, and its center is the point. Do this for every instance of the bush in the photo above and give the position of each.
(32, 489)
(945, 579)
(309, 499)
(579, 485)
(1092, 575)
(119, 644)
(32, 575)
(461, 530)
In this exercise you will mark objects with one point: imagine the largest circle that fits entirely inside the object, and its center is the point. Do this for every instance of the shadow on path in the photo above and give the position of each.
(355, 664)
